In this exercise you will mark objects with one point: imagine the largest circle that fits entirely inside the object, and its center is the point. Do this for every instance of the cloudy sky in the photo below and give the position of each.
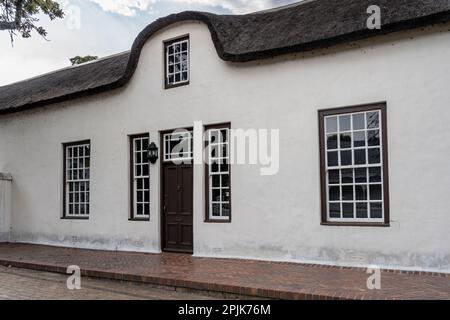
(101, 28)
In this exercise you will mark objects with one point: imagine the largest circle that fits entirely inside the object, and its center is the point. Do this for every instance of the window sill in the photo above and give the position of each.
(217, 220)
(74, 218)
(176, 85)
(139, 219)
(356, 224)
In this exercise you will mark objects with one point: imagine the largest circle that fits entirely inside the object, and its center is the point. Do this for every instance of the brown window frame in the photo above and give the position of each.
(380, 106)
(208, 219)
(64, 215)
(167, 43)
(131, 140)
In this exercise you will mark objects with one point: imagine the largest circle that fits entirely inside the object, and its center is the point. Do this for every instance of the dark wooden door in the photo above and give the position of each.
(177, 208)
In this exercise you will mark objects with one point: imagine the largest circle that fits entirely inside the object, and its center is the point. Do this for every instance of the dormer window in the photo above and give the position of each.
(176, 62)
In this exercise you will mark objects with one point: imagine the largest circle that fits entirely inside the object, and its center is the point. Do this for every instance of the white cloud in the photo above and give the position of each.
(125, 7)
(236, 6)
(130, 7)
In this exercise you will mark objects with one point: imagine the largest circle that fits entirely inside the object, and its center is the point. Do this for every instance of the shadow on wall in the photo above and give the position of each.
(5, 206)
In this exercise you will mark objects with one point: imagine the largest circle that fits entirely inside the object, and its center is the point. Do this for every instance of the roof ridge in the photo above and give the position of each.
(285, 6)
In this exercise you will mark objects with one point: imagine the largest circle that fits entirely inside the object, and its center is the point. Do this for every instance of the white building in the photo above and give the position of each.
(349, 102)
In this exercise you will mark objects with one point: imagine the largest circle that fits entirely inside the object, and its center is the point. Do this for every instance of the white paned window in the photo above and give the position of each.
(140, 179)
(219, 190)
(177, 62)
(77, 178)
(178, 146)
(354, 167)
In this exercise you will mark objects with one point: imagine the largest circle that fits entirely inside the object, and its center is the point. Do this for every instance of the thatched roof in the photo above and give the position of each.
(311, 24)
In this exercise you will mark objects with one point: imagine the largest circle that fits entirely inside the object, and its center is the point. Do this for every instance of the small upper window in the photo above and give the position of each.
(177, 62)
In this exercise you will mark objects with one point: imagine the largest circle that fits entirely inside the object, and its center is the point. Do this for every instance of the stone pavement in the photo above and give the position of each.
(245, 277)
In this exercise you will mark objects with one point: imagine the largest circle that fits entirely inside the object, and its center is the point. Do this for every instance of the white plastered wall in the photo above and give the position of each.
(274, 217)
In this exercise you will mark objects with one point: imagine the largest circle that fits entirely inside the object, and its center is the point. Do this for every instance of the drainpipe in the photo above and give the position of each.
(5, 207)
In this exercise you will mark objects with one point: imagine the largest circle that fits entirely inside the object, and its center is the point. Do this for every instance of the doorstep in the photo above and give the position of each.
(264, 279)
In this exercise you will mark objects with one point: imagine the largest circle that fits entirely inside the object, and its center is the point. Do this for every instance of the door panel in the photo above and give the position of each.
(178, 208)
(186, 204)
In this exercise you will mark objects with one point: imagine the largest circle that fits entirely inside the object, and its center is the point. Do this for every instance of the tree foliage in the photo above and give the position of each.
(19, 16)
(80, 59)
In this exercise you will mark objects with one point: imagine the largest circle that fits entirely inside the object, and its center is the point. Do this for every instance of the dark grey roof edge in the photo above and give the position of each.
(213, 21)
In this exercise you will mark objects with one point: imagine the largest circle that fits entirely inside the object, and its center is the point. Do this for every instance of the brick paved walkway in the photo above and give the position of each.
(245, 277)
(23, 284)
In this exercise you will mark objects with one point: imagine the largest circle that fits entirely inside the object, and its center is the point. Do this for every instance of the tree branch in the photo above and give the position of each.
(7, 25)
(13, 25)
(19, 8)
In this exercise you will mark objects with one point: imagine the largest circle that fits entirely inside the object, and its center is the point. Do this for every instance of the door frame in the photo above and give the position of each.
(161, 191)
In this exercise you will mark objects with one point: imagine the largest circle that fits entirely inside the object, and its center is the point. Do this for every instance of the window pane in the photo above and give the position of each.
(373, 120)
(226, 210)
(224, 167)
(216, 209)
(345, 140)
(360, 175)
(347, 175)
(333, 176)
(145, 169)
(214, 167)
(224, 151)
(334, 194)
(332, 159)
(344, 123)
(347, 210)
(331, 124)
(376, 211)
(375, 174)
(373, 137)
(358, 121)
(374, 155)
(335, 210)
(360, 156)
(225, 181)
(375, 191)
(225, 195)
(215, 195)
(361, 192)
(361, 210)
(215, 181)
(347, 193)
(359, 139)
(332, 141)
(346, 158)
